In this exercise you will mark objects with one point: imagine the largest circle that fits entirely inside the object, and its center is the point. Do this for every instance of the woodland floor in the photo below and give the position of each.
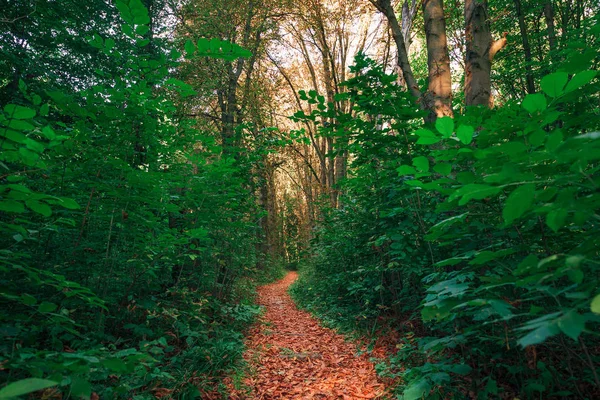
(291, 356)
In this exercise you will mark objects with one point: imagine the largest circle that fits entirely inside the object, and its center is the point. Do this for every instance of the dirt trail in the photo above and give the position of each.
(292, 357)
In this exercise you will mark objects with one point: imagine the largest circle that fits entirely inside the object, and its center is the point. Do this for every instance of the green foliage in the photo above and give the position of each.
(480, 233)
(128, 251)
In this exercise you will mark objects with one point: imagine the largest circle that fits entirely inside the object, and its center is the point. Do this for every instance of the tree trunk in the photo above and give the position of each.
(549, 15)
(526, 47)
(385, 7)
(439, 94)
(480, 53)
(408, 15)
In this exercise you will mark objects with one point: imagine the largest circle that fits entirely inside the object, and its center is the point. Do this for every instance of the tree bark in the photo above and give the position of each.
(480, 52)
(408, 15)
(549, 15)
(439, 94)
(526, 47)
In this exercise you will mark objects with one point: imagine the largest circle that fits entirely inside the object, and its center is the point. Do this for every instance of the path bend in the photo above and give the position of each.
(291, 356)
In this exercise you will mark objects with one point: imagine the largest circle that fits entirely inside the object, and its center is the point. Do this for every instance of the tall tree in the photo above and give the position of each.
(480, 52)
(439, 92)
(526, 46)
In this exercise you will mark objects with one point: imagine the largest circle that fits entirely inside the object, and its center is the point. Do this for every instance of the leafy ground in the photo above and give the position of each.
(291, 356)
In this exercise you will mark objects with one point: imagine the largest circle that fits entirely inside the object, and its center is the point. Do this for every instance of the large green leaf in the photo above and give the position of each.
(189, 48)
(572, 324)
(19, 112)
(426, 137)
(406, 170)
(518, 202)
(465, 133)
(24, 386)
(39, 207)
(556, 218)
(417, 389)
(69, 203)
(582, 78)
(445, 126)
(47, 307)
(534, 103)
(474, 191)
(421, 163)
(539, 335)
(12, 206)
(443, 168)
(553, 84)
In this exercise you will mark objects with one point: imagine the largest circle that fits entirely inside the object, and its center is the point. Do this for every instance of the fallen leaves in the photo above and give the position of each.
(295, 358)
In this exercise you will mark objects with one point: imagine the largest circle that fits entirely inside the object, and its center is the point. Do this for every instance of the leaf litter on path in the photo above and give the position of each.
(292, 357)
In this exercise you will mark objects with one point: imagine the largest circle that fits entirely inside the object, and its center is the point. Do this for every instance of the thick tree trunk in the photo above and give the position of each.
(439, 93)
(480, 54)
(526, 46)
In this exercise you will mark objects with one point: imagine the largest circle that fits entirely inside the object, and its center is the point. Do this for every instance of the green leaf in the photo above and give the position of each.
(537, 138)
(485, 256)
(556, 218)
(20, 125)
(34, 145)
(28, 299)
(465, 133)
(204, 45)
(44, 109)
(445, 126)
(81, 388)
(12, 206)
(421, 163)
(28, 157)
(48, 132)
(19, 112)
(501, 307)
(47, 307)
(582, 78)
(474, 191)
(15, 136)
(554, 84)
(142, 30)
(518, 202)
(426, 137)
(595, 305)
(417, 390)
(443, 169)
(539, 335)
(109, 44)
(69, 203)
(461, 369)
(39, 207)
(24, 386)
(572, 324)
(142, 43)
(127, 30)
(116, 365)
(189, 48)
(124, 11)
(534, 103)
(575, 275)
(406, 170)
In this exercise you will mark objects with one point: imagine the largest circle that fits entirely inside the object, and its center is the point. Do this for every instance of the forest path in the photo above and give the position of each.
(292, 357)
